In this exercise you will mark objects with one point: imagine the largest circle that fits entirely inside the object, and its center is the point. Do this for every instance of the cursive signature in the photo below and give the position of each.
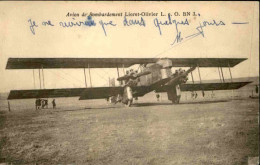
(199, 30)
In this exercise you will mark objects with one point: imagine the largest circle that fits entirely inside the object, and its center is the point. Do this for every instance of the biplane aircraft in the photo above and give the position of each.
(155, 74)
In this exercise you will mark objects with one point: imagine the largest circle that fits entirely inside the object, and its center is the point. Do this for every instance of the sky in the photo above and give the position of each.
(18, 40)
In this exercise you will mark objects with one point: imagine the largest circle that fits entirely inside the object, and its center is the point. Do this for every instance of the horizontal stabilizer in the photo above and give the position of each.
(52, 63)
(207, 86)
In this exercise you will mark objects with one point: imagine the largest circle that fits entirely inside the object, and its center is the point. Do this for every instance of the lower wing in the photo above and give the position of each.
(207, 86)
(45, 93)
(83, 93)
(100, 92)
(105, 92)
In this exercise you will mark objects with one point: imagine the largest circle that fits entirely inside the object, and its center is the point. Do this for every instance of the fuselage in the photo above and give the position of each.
(160, 74)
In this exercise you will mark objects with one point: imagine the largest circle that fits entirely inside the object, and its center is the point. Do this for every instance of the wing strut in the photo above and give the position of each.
(222, 74)
(85, 78)
(117, 72)
(203, 94)
(199, 72)
(230, 72)
(33, 79)
(219, 75)
(40, 79)
(89, 76)
(124, 69)
(120, 82)
(192, 77)
(231, 78)
(43, 85)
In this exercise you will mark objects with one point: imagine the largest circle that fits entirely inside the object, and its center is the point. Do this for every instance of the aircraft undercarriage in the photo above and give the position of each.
(127, 96)
(174, 94)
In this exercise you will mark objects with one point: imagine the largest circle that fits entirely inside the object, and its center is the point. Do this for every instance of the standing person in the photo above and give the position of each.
(203, 93)
(53, 104)
(157, 96)
(196, 95)
(46, 103)
(256, 89)
(43, 103)
(192, 94)
(38, 103)
(9, 108)
(212, 94)
(178, 93)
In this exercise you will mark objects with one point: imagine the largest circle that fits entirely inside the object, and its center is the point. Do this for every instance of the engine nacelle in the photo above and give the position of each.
(166, 72)
(174, 94)
(165, 63)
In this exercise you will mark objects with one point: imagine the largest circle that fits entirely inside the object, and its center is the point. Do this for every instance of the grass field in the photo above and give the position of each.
(92, 132)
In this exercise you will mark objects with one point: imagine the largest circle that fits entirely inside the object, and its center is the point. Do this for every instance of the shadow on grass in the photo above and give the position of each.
(140, 105)
(86, 108)
(158, 104)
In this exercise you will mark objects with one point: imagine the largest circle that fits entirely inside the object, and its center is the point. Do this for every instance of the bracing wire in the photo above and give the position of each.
(73, 78)
(63, 78)
(171, 47)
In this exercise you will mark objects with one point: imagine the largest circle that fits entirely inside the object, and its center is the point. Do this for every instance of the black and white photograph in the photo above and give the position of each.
(129, 83)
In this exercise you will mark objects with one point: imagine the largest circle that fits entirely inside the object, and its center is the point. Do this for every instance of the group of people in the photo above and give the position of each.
(43, 103)
(194, 94)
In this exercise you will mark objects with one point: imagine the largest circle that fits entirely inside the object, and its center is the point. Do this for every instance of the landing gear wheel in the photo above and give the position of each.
(176, 101)
(129, 103)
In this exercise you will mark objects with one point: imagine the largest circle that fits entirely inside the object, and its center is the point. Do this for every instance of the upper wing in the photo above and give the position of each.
(38, 63)
(206, 62)
(207, 86)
